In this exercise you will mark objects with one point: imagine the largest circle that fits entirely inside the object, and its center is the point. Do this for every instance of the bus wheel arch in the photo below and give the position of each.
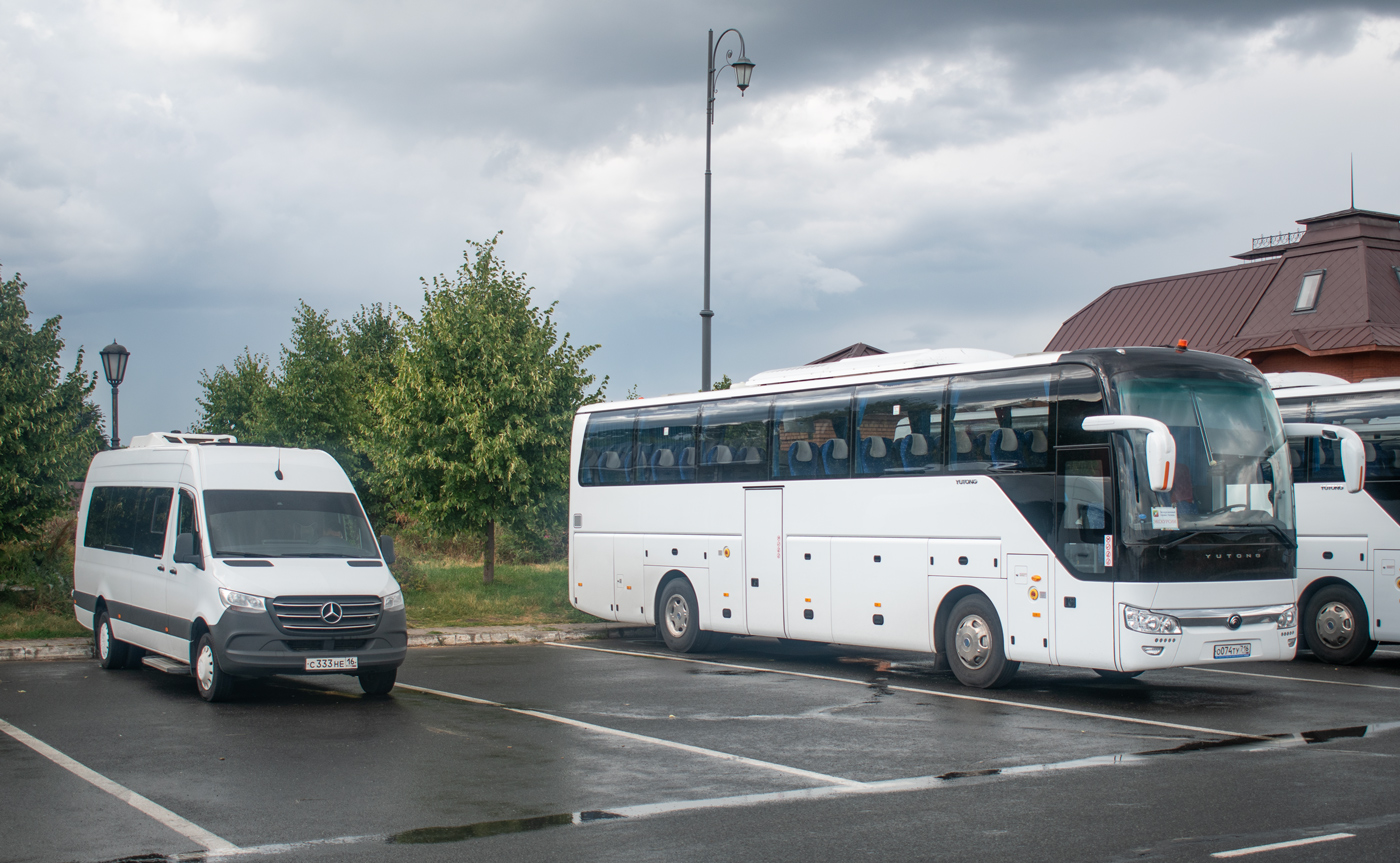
(1334, 603)
(678, 614)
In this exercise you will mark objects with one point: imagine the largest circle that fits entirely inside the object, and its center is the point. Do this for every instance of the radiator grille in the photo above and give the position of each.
(315, 615)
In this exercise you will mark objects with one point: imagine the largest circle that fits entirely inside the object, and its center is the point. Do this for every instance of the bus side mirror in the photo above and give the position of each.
(386, 548)
(187, 551)
(1161, 446)
(1353, 450)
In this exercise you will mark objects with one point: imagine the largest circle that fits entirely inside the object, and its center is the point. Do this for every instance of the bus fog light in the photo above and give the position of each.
(1288, 618)
(1141, 620)
(1152, 649)
(1293, 642)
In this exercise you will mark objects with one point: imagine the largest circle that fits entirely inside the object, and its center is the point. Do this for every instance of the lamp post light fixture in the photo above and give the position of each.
(743, 71)
(114, 358)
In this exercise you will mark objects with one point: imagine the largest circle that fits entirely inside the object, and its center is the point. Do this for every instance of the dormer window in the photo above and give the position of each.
(1308, 291)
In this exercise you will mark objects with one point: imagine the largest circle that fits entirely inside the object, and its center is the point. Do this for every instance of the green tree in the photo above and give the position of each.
(474, 429)
(312, 401)
(234, 401)
(723, 383)
(49, 429)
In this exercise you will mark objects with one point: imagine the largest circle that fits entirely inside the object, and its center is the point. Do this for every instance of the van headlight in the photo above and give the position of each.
(1141, 620)
(394, 601)
(241, 601)
(1288, 618)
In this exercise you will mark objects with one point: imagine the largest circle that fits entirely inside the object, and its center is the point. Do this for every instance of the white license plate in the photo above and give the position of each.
(351, 663)
(1231, 651)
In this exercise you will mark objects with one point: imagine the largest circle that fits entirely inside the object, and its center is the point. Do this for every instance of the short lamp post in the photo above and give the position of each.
(743, 71)
(114, 358)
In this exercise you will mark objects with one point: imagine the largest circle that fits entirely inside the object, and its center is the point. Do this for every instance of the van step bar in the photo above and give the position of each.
(166, 664)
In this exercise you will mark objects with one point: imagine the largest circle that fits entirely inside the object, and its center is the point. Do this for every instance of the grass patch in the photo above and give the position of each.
(448, 592)
(33, 623)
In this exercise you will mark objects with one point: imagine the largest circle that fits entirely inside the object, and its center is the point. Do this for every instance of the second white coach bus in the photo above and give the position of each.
(1348, 587)
(1115, 509)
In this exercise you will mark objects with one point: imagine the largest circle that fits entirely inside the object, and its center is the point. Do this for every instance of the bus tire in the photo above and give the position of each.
(975, 644)
(680, 618)
(1334, 623)
(111, 653)
(1114, 676)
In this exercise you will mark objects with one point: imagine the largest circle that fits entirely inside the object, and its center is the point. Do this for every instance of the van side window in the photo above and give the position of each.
(130, 520)
(812, 435)
(734, 441)
(1001, 421)
(187, 521)
(899, 428)
(607, 448)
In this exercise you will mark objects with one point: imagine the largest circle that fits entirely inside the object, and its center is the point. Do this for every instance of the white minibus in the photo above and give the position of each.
(1348, 545)
(1114, 509)
(197, 554)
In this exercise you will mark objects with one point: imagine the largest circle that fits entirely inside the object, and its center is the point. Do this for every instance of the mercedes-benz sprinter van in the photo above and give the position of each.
(198, 554)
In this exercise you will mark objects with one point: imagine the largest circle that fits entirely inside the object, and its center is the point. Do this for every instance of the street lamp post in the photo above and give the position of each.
(114, 358)
(743, 71)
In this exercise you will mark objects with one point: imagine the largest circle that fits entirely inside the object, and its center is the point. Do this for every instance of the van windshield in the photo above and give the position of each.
(257, 523)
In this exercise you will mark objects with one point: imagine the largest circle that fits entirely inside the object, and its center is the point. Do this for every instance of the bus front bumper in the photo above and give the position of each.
(1207, 642)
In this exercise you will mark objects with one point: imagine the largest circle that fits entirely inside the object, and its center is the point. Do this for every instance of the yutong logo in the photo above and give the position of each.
(1234, 622)
(967, 482)
(331, 613)
(1233, 555)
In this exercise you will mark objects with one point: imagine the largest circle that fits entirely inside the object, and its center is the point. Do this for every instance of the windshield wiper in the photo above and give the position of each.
(1205, 440)
(1179, 540)
(1291, 543)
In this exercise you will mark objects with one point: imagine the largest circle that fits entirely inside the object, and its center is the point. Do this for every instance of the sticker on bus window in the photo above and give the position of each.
(896, 409)
(1164, 518)
(1108, 549)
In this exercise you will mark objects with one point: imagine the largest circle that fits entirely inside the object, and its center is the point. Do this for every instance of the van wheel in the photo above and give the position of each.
(213, 683)
(975, 650)
(378, 682)
(111, 653)
(1114, 676)
(680, 618)
(1334, 623)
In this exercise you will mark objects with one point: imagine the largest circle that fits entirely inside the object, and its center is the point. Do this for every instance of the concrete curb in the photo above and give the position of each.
(81, 648)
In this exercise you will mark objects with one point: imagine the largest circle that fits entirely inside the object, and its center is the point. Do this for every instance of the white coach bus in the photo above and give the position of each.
(1113, 509)
(1348, 546)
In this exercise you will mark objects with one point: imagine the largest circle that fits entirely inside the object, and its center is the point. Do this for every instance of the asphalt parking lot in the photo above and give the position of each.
(621, 750)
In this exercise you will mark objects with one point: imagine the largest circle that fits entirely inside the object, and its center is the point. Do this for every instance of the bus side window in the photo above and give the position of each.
(1296, 412)
(1086, 507)
(899, 428)
(1375, 419)
(812, 435)
(666, 444)
(607, 449)
(1001, 421)
(1078, 395)
(734, 441)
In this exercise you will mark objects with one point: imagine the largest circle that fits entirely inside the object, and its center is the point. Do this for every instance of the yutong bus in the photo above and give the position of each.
(1348, 588)
(1115, 509)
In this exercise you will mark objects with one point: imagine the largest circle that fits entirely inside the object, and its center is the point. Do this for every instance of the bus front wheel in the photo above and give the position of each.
(680, 618)
(975, 647)
(1334, 623)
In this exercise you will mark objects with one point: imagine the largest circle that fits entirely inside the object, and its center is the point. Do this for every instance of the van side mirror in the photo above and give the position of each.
(1353, 450)
(386, 548)
(1161, 446)
(187, 550)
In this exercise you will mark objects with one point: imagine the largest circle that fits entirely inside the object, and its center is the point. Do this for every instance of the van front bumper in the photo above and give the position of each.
(250, 645)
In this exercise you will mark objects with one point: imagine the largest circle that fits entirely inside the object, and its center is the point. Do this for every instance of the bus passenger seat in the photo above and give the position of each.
(799, 459)
(688, 463)
(913, 451)
(719, 454)
(963, 451)
(1038, 447)
(663, 461)
(835, 457)
(610, 470)
(1004, 448)
(873, 455)
(751, 455)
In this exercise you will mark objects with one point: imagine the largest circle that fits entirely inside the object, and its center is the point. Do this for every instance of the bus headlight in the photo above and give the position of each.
(1288, 618)
(1141, 620)
(241, 601)
(394, 601)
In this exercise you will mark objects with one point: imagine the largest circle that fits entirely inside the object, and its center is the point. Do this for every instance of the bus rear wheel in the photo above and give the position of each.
(680, 618)
(1334, 623)
(974, 644)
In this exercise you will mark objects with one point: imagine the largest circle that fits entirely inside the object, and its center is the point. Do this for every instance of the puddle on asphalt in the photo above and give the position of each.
(481, 829)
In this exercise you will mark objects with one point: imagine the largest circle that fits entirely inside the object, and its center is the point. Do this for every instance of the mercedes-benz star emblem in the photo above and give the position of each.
(1233, 622)
(331, 613)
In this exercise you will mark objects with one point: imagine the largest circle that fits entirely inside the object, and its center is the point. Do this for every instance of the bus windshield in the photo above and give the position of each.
(257, 523)
(1233, 468)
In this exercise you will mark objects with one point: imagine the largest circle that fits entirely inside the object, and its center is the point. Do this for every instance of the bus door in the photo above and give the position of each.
(763, 560)
(1028, 606)
(1085, 621)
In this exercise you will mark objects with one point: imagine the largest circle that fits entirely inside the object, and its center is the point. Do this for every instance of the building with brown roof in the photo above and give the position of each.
(1323, 299)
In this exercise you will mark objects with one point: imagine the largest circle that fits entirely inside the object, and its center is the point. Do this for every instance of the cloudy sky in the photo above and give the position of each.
(177, 175)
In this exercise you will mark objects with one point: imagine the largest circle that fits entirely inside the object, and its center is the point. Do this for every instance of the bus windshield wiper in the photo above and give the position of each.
(1205, 440)
(1291, 543)
(1179, 540)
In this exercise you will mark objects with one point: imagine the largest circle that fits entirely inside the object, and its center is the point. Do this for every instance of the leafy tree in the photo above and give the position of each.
(234, 402)
(474, 429)
(312, 401)
(723, 383)
(49, 429)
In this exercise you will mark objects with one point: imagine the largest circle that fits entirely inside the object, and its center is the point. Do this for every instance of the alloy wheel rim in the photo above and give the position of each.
(973, 641)
(1335, 625)
(677, 616)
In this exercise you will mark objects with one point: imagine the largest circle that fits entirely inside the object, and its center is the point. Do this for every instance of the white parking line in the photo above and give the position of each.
(657, 741)
(957, 696)
(1300, 679)
(185, 828)
(1256, 849)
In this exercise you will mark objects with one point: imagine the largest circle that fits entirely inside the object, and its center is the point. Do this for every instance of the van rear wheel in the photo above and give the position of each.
(111, 653)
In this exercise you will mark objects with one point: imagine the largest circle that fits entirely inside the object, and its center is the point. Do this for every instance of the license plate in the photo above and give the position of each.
(351, 663)
(1231, 651)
